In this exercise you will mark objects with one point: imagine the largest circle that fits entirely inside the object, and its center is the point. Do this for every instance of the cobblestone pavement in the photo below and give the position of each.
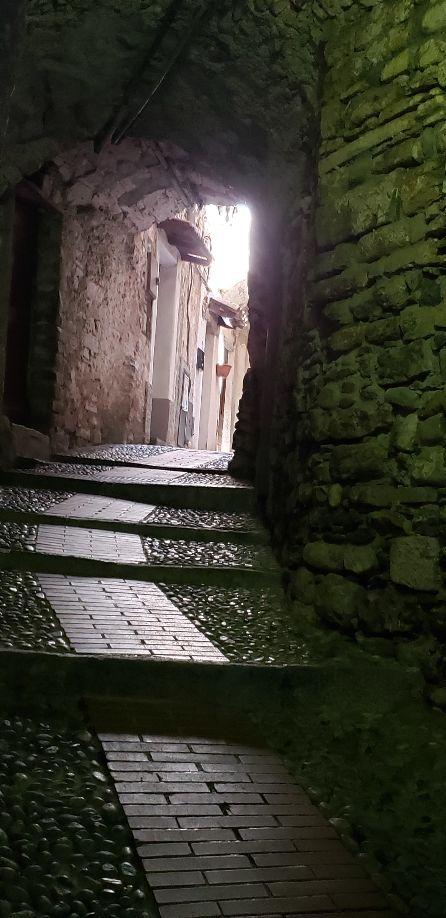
(30, 500)
(183, 553)
(248, 625)
(27, 618)
(210, 519)
(222, 829)
(126, 617)
(65, 848)
(17, 537)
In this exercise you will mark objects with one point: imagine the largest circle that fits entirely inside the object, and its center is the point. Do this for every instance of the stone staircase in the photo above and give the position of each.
(137, 587)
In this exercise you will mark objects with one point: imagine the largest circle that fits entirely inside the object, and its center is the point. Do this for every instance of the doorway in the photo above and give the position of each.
(24, 267)
(31, 337)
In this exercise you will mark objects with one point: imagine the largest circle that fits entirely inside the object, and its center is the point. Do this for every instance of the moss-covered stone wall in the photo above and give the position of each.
(363, 502)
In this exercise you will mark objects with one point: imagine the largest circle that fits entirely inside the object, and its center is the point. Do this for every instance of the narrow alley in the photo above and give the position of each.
(222, 458)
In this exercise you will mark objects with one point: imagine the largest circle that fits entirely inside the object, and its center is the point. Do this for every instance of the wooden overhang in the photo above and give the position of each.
(185, 238)
(225, 314)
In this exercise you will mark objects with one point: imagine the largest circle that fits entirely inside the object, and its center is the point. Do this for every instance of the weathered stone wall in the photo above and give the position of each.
(363, 498)
(102, 381)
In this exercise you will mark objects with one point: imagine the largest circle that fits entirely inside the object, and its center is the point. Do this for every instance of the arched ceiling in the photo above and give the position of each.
(232, 82)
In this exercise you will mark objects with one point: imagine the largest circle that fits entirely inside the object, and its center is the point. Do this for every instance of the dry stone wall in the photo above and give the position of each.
(364, 497)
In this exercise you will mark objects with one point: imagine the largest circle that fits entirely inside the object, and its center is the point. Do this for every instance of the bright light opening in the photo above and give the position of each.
(229, 230)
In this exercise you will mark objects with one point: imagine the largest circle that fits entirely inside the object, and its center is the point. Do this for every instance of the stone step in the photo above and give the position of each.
(146, 455)
(170, 489)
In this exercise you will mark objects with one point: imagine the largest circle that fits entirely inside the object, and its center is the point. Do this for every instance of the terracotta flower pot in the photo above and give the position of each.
(223, 369)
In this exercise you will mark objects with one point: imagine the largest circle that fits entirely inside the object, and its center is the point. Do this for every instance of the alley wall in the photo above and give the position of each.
(102, 381)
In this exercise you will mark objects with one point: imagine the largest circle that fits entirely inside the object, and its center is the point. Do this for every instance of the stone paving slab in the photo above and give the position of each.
(124, 617)
(238, 846)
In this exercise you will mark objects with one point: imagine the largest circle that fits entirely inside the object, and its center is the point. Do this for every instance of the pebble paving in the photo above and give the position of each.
(223, 829)
(30, 500)
(197, 519)
(65, 847)
(27, 618)
(212, 554)
(248, 625)
(124, 617)
(17, 537)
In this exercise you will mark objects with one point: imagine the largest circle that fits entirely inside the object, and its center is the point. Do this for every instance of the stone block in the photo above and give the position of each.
(403, 398)
(30, 444)
(329, 396)
(346, 339)
(422, 321)
(433, 430)
(405, 432)
(404, 363)
(429, 467)
(415, 562)
(433, 402)
(399, 64)
(360, 460)
(303, 585)
(383, 330)
(323, 556)
(434, 20)
(359, 420)
(340, 602)
(374, 495)
(360, 559)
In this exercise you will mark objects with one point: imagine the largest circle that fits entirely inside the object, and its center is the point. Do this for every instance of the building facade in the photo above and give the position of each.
(110, 334)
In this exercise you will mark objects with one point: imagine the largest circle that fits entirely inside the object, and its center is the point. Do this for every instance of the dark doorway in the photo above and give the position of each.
(31, 342)
(24, 267)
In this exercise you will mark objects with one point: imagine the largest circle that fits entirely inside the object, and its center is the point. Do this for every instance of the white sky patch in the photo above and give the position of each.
(230, 245)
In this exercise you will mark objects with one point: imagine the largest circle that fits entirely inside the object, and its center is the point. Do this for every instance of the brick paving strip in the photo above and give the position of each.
(223, 830)
(96, 544)
(124, 617)
(106, 509)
